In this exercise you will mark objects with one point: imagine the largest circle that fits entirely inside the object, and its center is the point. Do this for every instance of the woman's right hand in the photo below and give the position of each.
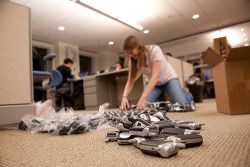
(124, 104)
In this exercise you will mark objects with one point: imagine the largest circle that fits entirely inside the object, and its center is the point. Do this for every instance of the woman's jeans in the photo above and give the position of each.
(174, 91)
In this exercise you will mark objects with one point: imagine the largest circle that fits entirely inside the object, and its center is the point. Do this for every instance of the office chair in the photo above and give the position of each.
(63, 91)
(39, 76)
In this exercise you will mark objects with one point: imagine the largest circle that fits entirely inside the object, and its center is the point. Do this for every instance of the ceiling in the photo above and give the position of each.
(167, 20)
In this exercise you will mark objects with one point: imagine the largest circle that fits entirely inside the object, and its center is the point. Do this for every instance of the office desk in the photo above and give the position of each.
(108, 87)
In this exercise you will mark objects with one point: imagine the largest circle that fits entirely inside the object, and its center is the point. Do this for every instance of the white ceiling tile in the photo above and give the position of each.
(23, 2)
(167, 20)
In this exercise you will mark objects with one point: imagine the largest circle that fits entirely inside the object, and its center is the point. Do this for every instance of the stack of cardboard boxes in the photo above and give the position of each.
(231, 77)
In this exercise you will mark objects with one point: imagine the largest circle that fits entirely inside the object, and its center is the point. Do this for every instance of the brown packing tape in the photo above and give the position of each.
(239, 99)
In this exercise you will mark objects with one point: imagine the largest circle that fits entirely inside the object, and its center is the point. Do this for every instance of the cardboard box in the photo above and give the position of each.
(222, 41)
(231, 79)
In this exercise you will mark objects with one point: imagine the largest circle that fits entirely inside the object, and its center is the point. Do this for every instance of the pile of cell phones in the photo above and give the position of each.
(153, 133)
(167, 106)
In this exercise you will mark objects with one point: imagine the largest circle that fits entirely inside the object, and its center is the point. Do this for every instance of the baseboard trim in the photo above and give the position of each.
(11, 114)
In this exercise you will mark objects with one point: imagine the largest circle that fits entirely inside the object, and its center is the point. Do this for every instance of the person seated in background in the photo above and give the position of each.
(198, 73)
(66, 70)
(118, 65)
(197, 77)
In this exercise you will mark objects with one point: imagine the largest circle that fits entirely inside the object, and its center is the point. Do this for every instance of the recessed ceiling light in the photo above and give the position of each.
(61, 28)
(244, 35)
(242, 29)
(246, 44)
(111, 43)
(146, 31)
(196, 16)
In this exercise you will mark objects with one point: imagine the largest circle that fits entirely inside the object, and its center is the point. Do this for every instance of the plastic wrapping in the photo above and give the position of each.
(99, 121)
(64, 122)
(42, 108)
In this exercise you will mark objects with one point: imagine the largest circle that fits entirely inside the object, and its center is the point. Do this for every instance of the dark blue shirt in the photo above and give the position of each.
(65, 71)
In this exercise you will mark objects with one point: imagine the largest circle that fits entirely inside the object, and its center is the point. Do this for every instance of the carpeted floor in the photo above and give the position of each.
(226, 144)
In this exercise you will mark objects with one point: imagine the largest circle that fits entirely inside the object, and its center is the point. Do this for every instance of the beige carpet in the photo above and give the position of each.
(226, 144)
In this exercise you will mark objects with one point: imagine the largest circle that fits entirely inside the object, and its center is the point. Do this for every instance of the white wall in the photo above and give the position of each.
(189, 45)
(105, 60)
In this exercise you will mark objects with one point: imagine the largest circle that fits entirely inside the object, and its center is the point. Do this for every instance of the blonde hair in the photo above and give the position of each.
(130, 43)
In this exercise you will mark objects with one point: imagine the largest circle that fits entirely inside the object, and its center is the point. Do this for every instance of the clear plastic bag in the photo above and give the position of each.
(64, 122)
(99, 121)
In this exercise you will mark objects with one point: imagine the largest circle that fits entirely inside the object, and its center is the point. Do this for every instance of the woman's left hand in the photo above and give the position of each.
(141, 104)
(156, 68)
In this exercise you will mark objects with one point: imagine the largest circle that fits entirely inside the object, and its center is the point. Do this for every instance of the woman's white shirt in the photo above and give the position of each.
(154, 53)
